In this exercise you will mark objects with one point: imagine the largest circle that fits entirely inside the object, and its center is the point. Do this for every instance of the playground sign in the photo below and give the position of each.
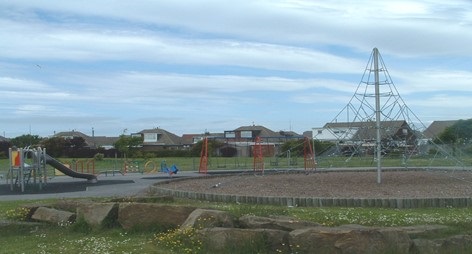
(15, 159)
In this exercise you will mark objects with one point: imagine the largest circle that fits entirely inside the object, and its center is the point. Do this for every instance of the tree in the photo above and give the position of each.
(54, 146)
(213, 145)
(128, 145)
(458, 133)
(26, 140)
(4, 145)
(76, 143)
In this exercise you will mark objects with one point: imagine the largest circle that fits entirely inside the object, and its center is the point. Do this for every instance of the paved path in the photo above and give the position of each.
(107, 186)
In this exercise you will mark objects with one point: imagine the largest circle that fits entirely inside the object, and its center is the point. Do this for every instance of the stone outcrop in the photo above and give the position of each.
(245, 240)
(98, 214)
(423, 231)
(204, 218)
(52, 215)
(350, 240)
(220, 231)
(453, 244)
(148, 215)
(280, 222)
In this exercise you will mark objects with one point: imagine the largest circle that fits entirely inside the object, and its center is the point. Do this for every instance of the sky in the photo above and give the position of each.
(189, 67)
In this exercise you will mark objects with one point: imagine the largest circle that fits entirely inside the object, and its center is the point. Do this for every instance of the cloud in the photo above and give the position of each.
(422, 81)
(207, 63)
(57, 43)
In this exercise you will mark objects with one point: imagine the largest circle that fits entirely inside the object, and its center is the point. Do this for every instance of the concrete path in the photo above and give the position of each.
(109, 185)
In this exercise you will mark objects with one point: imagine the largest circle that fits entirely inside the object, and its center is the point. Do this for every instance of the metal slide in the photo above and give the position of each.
(61, 167)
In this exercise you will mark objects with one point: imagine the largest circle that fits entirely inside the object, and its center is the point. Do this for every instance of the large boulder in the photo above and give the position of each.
(98, 214)
(204, 218)
(148, 215)
(453, 244)
(223, 240)
(280, 223)
(350, 240)
(52, 215)
(423, 231)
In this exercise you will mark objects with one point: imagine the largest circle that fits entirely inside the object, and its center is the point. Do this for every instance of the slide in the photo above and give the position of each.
(61, 167)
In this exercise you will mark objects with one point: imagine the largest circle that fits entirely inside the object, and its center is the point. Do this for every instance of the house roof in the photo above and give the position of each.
(164, 137)
(368, 131)
(260, 130)
(436, 127)
(189, 139)
(290, 134)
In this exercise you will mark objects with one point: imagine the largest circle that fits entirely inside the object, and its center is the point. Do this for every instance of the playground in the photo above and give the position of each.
(29, 178)
(33, 174)
(405, 166)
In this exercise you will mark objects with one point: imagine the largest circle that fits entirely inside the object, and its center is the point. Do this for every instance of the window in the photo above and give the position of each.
(150, 137)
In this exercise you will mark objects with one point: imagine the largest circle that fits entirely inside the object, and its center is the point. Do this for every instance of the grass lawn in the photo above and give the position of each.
(243, 163)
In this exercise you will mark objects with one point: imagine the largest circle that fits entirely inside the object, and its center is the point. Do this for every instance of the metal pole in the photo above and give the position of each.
(21, 173)
(11, 171)
(45, 172)
(377, 115)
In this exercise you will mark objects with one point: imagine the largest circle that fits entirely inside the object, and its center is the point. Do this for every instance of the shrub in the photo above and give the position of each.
(99, 156)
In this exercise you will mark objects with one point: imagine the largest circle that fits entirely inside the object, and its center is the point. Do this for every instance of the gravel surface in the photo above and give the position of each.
(397, 184)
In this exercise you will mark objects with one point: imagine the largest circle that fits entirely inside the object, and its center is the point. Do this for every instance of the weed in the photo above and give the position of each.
(179, 241)
(18, 214)
(81, 226)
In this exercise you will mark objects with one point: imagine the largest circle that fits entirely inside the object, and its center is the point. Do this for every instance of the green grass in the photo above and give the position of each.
(245, 163)
(82, 239)
(63, 240)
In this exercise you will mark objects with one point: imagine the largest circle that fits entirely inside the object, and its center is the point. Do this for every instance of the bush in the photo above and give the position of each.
(99, 156)
(228, 151)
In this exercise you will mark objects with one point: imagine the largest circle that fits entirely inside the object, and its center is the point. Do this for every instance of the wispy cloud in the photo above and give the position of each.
(191, 66)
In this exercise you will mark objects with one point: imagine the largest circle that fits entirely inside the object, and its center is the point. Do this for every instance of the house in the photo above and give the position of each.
(436, 127)
(364, 131)
(188, 140)
(249, 133)
(159, 139)
(90, 141)
(351, 135)
(243, 139)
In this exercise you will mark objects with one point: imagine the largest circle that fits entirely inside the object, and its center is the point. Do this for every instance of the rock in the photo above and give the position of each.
(63, 205)
(350, 240)
(425, 246)
(147, 215)
(453, 244)
(53, 215)
(224, 240)
(98, 214)
(204, 218)
(281, 223)
(420, 231)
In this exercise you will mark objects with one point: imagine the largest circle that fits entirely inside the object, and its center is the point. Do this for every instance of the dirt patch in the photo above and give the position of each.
(396, 184)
